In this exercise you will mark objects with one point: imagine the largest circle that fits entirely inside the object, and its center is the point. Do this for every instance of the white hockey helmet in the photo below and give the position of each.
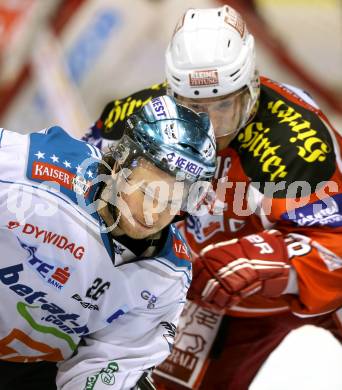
(211, 55)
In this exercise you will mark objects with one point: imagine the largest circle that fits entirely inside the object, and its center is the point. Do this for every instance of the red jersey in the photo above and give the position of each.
(282, 171)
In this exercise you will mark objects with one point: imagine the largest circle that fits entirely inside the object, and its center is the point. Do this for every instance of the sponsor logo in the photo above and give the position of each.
(80, 185)
(171, 132)
(86, 305)
(211, 228)
(48, 237)
(12, 225)
(184, 164)
(53, 314)
(106, 375)
(233, 19)
(159, 108)
(326, 212)
(195, 336)
(46, 171)
(259, 242)
(170, 334)
(54, 275)
(150, 298)
(124, 108)
(19, 347)
(49, 172)
(119, 250)
(182, 362)
(180, 249)
(253, 138)
(203, 78)
(208, 149)
(205, 227)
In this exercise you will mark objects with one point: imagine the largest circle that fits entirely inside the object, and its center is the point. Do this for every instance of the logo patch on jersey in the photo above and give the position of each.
(159, 108)
(86, 305)
(180, 249)
(56, 157)
(49, 237)
(150, 298)
(326, 212)
(106, 375)
(202, 228)
(80, 185)
(171, 333)
(49, 172)
(65, 323)
(203, 78)
(118, 249)
(55, 275)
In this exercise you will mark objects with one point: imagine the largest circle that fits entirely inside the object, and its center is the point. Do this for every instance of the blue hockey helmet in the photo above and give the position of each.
(172, 137)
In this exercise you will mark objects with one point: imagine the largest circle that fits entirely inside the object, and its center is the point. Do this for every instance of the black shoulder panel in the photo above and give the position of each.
(112, 120)
(285, 142)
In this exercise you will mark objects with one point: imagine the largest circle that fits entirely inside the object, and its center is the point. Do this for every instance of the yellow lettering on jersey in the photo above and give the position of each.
(312, 148)
(254, 139)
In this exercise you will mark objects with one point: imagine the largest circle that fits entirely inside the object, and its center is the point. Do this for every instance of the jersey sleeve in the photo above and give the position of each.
(316, 259)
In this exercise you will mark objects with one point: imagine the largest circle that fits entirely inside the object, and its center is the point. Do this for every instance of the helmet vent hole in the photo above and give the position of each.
(219, 13)
(192, 15)
(228, 43)
(176, 78)
(196, 92)
(215, 90)
(189, 147)
(233, 74)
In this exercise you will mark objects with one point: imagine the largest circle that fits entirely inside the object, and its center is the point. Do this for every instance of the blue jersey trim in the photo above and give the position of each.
(186, 273)
(58, 157)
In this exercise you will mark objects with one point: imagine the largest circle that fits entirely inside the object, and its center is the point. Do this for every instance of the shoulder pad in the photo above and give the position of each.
(55, 156)
(112, 120)
(286, 142)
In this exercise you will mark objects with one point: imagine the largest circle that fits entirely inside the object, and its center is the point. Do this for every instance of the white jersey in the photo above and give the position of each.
(69, 293)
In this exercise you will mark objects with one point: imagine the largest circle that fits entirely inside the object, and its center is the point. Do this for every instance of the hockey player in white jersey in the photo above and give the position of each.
(92, 275)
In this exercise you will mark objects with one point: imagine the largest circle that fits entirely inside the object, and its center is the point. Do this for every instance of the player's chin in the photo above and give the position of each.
(138, 230)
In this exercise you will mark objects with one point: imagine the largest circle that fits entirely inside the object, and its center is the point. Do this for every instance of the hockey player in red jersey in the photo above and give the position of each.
(267, 253)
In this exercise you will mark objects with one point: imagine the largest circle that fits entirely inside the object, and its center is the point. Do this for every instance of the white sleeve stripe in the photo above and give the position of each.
(94, 151)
